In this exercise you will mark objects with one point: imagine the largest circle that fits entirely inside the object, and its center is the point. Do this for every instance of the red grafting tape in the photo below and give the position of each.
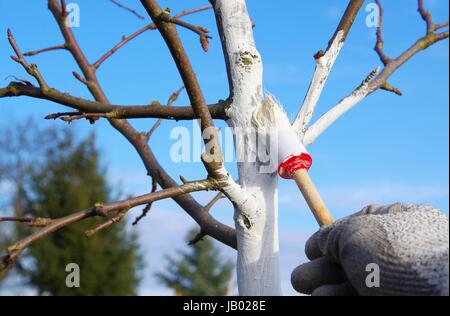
(290, 165)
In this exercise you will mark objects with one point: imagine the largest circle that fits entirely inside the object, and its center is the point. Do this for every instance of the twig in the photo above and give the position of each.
(35, 52)
(128, 9)
(199, 30)
(79, 78)
(24, 81)
(30, 221)
(30, 69)
(426, 16)
(63, 8)
(102, 210)
(148, 206)
(170, 102)
(72, 116)
(211, 203)
(380, 42)
(201, 234)
(116, 219)
(148, 27)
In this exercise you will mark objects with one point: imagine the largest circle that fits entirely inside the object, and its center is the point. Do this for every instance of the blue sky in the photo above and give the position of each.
(386, 149)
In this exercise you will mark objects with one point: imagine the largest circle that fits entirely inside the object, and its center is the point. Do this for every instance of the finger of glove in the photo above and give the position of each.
(311, 275)
(313, 248)
(343, 289)
(317, 245)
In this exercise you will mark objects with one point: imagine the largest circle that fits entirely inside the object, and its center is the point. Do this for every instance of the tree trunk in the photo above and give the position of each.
(256, 224)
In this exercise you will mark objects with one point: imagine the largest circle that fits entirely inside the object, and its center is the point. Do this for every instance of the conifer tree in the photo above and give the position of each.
(199, 271)
(68, 179)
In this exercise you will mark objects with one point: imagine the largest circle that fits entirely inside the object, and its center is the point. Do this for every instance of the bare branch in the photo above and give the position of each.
(127, 9)
(201, 31)
(14, 89)
(324, 63)
(211, 203)
(170, 102)
(426, 16)
(148, 206)
(79, 78)
(380, 42)
(380, 81)
(102, 210)
(43, 50)
(30, 221)
(115, 219)
(214, 228)
(198, 237)
(170, 35)
(124, 41)
(201, 234)
(30, 69)
(148, 27)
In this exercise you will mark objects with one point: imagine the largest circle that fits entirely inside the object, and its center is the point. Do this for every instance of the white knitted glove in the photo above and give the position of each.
(409, 243)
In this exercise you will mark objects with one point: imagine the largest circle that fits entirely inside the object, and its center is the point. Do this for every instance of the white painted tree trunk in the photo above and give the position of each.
(256, 221)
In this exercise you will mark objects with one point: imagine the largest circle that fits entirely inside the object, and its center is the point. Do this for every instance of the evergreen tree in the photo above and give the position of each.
(197, 272)
(70, 180)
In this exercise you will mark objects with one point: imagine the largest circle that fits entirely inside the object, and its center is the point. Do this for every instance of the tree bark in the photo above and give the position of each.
(256, 224)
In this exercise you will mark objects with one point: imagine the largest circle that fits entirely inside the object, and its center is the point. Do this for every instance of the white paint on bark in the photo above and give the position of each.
(337, 111)
(256, 207)
(324, 64)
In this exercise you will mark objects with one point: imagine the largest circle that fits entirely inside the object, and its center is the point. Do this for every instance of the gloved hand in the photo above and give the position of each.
(409, 244)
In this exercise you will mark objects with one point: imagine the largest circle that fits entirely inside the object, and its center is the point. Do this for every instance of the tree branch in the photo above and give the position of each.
(115, 219)
(199, 30)
(170, 102)
(43, 50)
(377, 81)
(107, 110)
(148, 206)
(120, 5)
(380, 42)
(30, 69)
(170, 35)
(201, 234)
(148, 27)
(102, 210)
(31, 222)
(324, 63)
(213, 227)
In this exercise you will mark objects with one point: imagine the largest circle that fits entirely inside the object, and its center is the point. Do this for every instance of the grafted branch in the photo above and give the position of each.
(324, 63)
(379, 79)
